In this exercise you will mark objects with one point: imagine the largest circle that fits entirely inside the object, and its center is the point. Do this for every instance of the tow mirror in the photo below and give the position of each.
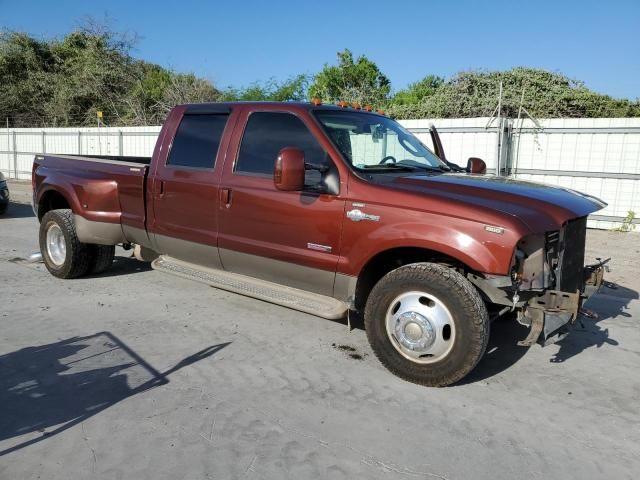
(288, 172)
(476, 165)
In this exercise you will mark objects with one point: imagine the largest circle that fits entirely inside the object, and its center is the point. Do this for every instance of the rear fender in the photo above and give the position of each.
(95, 199)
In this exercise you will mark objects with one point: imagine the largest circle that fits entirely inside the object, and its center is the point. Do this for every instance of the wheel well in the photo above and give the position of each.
(51, 200)
(384, 262)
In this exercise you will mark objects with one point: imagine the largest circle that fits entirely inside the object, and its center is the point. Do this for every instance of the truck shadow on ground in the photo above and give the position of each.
(123, 265)
(503, 351)
(48, 389)
(18, 210)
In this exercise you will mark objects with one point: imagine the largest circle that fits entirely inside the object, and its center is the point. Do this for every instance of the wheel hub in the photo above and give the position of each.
(414, 331)
(56, 245)
(420, 327)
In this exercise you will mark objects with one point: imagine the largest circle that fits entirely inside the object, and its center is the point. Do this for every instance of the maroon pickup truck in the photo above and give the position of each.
(332, 211)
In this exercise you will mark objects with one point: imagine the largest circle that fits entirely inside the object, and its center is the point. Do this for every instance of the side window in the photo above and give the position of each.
(267, 133)
(197, 140)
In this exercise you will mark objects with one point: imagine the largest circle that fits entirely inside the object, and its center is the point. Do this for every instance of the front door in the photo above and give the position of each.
(185, 190)
(291, 238)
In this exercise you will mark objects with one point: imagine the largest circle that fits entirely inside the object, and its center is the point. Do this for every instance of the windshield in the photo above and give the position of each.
(372, 142)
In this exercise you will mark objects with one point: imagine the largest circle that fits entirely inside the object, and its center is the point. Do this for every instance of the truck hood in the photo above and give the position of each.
(540, 207)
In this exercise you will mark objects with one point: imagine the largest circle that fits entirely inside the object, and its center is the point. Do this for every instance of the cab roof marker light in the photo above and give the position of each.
(356, 105)
(367, 108)
(316, 101)
(342, 104)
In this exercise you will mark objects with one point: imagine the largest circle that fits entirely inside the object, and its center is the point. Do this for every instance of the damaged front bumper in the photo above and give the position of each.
(549, 315)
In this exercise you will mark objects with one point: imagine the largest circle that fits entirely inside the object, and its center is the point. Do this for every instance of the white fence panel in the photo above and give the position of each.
(597, 156)
(461, 138)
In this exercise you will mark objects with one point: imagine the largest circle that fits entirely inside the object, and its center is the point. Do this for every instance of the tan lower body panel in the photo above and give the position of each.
(304, 301)
(100, 233)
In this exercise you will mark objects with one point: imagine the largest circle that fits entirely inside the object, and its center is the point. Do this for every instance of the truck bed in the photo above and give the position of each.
(98, 188)
(113, 159)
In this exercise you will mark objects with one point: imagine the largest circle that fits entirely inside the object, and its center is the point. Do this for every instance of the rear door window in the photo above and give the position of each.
(197, 141)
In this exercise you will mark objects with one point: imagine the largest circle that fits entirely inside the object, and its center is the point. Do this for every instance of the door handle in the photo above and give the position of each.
(225, 197)
(157, 187)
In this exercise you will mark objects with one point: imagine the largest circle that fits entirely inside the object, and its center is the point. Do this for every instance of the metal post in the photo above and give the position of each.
(79, 142)
(500, 127)
(44, 142)
(15, 155)
(8, 148)
(120, 144)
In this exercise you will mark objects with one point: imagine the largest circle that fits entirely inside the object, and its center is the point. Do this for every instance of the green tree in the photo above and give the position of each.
(546, 95)
(418, 91)
(351, 80)
(26, 69)
(292, 89)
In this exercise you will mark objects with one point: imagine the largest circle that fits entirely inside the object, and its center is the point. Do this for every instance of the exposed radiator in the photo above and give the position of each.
(570, 270)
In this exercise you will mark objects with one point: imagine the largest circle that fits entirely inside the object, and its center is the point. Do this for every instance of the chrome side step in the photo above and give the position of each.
(293, 298)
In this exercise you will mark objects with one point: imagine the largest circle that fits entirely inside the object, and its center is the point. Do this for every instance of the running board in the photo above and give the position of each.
(320, 305)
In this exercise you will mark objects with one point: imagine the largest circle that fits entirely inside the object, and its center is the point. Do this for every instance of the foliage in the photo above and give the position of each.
(353, 81)
(418, 92)
(627, 223)
(63, 82)
(546, 95)
(293, 89)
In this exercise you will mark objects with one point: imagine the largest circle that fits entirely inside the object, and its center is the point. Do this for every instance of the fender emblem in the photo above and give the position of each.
(493, 229)
(358, 215)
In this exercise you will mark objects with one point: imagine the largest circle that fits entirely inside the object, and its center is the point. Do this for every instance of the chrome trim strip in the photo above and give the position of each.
(318, 247)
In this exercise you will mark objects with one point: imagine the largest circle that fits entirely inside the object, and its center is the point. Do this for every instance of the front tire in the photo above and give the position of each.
(63, 254)
(427, 324)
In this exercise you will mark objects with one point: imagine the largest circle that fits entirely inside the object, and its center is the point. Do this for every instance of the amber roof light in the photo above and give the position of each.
(316, 101)
(342, 104)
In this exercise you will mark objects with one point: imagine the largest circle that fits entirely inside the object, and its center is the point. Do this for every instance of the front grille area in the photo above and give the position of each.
(569, 272)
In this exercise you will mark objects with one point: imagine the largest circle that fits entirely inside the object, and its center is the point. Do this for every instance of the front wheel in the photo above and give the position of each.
(427, 324)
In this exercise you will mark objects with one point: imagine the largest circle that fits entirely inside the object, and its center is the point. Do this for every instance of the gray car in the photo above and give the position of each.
(4, 194)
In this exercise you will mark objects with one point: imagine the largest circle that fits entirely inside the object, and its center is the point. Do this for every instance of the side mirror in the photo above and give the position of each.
(476, 165)
(288, 172)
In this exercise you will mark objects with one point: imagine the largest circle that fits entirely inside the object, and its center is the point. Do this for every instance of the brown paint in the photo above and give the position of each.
(446, 213)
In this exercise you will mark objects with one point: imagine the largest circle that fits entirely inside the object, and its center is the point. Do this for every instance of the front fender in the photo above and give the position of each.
(464, 240)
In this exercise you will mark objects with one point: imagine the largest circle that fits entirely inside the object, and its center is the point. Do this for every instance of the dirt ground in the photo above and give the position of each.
(134, 374)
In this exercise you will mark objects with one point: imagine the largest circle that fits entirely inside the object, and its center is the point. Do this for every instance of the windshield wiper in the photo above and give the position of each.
(390, 166)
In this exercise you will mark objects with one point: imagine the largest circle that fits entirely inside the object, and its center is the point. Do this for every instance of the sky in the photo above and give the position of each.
(239, 42)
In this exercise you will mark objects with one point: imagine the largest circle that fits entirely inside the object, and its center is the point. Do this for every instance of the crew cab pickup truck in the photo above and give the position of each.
(334, 211)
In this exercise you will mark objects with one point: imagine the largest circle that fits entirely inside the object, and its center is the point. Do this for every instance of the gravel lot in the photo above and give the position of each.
(136, 374)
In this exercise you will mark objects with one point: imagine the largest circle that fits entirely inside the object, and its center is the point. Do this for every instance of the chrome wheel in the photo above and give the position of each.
(420, 327)
(56, 245)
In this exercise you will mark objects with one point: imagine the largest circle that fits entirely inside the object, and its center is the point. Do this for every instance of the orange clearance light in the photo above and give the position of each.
(342, 104)
(367, 108)
(316, 101)
(356, 105)
(381, 112)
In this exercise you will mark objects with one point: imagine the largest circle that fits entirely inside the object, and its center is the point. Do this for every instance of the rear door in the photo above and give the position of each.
(291, 238)
(185, 186)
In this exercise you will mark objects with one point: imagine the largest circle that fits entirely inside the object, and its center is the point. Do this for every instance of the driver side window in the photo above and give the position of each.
(267, 133)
